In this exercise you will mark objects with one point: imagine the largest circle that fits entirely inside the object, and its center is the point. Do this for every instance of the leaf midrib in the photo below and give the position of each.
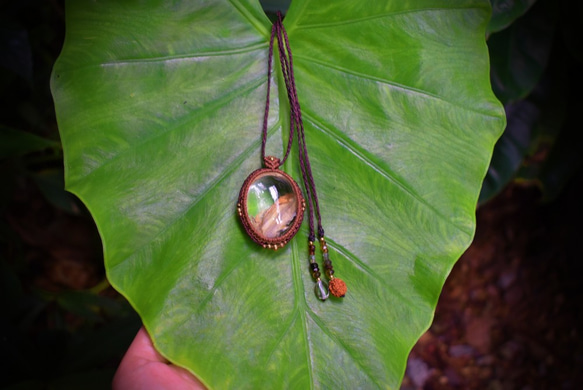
(259, 27)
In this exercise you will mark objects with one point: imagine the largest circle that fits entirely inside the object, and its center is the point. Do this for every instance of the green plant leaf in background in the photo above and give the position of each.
(160, 108)
(511, 148)
(521, 52)
(519, 56)
(15, 142)
(505, 12)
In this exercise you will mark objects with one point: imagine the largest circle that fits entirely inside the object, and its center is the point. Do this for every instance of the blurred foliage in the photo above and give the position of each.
(536, 62)
(62, 326)
(504, 12)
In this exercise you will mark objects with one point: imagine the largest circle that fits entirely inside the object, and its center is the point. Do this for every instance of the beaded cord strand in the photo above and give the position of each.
(336, 286)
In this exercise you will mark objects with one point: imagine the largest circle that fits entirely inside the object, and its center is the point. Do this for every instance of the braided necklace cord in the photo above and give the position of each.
(336, 287)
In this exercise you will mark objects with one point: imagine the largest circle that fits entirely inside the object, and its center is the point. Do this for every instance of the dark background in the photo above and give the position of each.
(510, 313)
(62, 326)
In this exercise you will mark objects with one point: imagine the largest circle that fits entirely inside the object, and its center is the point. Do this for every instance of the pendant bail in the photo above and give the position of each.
(271, 162)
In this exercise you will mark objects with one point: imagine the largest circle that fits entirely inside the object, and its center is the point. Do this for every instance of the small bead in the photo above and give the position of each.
(327, 264)
(329, 273)
(316, 274)
(326, 256)
(314, 266)
(321, 290)
(312, 258)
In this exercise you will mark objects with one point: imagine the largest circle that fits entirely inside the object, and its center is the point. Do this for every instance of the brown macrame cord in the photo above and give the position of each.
(336, 286)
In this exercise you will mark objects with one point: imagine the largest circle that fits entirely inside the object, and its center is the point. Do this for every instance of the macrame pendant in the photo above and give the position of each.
(271, 205)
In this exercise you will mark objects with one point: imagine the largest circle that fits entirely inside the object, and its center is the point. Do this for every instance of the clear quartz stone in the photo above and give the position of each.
(321, 290)
(271, 205)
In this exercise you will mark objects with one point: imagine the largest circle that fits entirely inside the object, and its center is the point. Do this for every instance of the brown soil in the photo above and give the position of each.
(509, 315)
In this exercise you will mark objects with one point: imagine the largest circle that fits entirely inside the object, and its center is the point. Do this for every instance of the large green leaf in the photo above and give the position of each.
(160, 106)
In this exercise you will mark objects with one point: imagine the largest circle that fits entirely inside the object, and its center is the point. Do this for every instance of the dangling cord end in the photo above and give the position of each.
(320, 288)
(337, 286)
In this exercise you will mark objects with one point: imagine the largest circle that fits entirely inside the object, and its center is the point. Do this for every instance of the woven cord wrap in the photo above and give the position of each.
(267, 98)
(296, 125)
(337, 286)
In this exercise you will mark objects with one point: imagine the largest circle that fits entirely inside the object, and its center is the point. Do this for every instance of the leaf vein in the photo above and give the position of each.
(190, 56)
(279, 339)
(207, 107)
(320, 324)
(378, 16)
(390, 176)
(212, 184)
(390, 83)
(224, 276)
(367, 270)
